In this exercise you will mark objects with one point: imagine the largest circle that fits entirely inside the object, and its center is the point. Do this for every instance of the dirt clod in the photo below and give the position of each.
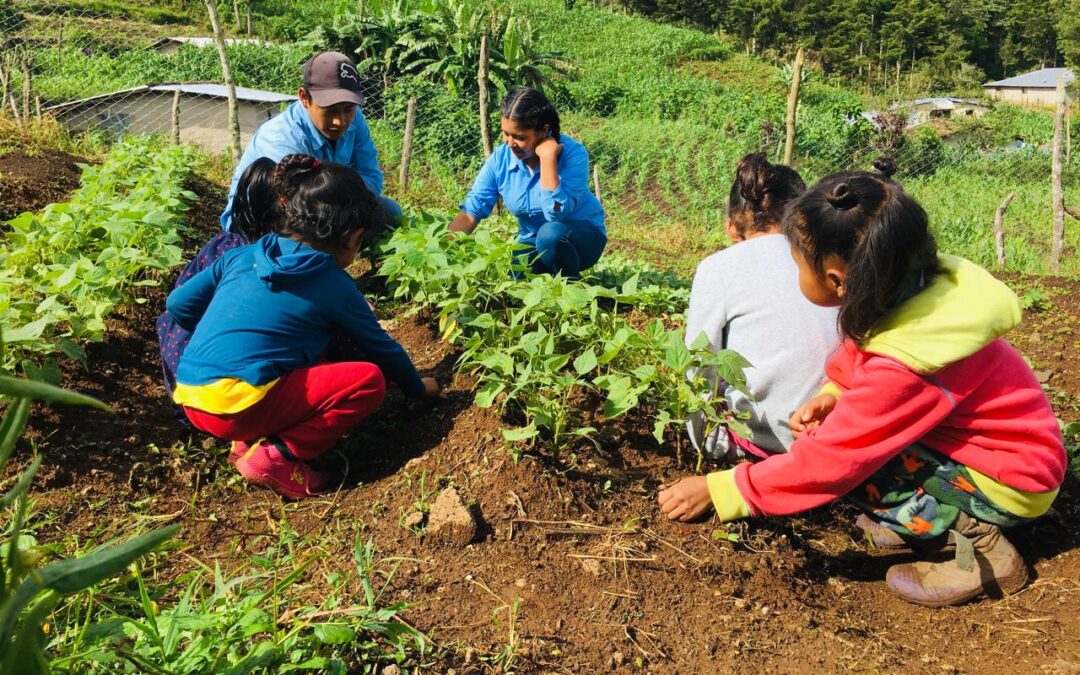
(451, 521)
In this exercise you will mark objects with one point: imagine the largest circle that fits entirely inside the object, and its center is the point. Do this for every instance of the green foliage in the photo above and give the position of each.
(30, 587)
(66, 268)
(440, 40)
(446, 125)
(111, 9)
(238, 625)
(1071, 433)
(541, 345)
(68, 73)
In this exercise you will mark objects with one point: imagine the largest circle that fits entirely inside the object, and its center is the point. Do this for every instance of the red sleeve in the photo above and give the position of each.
(840, 368)
(886, 408)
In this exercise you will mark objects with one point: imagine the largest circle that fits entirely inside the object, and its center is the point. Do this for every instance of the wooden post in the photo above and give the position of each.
(482, 80)
(176, 117)
(37, 108)
(5, 83)
(999, 228)
(236, 14)
(249, 17)
(596, 180)
(26, 88)
(1068, 131)
(793, 105)
(226, 71)
(1057, 192)
(406, 146)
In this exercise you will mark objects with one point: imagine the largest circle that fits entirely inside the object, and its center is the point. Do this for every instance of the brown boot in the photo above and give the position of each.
(997, 570)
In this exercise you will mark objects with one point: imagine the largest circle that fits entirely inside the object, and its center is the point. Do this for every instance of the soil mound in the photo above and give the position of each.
(29, 182)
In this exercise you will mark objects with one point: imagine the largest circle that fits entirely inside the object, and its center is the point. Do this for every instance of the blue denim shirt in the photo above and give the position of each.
(506, 176)
(292, 131)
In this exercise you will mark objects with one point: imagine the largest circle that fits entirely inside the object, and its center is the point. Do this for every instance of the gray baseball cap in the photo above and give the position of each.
(331, 78)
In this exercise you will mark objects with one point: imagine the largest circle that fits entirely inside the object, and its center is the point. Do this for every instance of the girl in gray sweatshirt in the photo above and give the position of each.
(746, 298)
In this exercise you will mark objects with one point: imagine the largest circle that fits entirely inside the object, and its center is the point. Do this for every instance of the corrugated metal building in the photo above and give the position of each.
(1036, 89)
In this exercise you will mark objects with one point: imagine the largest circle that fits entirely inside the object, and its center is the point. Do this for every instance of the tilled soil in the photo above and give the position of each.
(574, 569)
(29, 182)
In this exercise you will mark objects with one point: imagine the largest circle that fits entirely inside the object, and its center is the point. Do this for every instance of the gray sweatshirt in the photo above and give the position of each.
(747, 298)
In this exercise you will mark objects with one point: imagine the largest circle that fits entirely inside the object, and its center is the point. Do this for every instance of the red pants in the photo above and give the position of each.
(308, 410)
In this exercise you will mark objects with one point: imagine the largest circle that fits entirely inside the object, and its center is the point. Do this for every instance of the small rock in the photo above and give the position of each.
(618, 658)
(740, 603)
(469, 652)
(591, 565)
(414, 519)
(391, 670)
(765, 610)
(520, 583)
(1044, 375)
(450, 521)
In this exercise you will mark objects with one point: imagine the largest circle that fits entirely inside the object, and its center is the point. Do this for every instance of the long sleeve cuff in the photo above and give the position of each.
(726, 499)
(831, 388)
(555, 203)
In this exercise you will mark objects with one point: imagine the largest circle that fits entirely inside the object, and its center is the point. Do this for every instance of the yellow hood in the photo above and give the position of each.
(960, 312)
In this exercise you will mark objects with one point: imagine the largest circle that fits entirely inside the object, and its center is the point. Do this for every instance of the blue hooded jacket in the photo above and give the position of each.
(265, 310)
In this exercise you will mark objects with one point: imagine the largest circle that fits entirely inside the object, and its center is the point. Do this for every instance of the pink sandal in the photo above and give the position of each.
(266, 465)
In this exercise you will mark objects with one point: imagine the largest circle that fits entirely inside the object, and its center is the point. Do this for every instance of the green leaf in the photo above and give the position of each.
(520, 434)
(27, 333)
(12, 386)
(486, 395)
(334, 633)
(22, 484)
(585, 362)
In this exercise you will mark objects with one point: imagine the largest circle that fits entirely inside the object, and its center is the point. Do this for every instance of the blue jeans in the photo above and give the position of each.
(565, 247)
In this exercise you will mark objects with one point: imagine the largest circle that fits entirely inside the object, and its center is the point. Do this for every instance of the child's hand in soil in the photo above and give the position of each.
(811, 414)
(431, 387)
(686, 500)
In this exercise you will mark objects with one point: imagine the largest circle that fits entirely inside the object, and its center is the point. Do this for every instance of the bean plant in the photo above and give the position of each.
(62, 271)
(543, 346)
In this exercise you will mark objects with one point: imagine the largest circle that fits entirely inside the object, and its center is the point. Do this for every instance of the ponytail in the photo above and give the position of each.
(880, 233)
(760, 193)
(256, 209)
(325, 203)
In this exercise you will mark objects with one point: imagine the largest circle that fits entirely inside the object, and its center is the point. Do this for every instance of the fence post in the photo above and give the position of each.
(5, 82)
(1057, 192)
(249, 17)
(26, 88)
(596, 180)
(176, 117)
(482, 80)
(793, 105)
(226, 72)
(37, 108)
(236, 14)
(999, 228)
(406, 146)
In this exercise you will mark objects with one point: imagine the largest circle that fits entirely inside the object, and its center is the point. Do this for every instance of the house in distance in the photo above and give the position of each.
(1037, 89)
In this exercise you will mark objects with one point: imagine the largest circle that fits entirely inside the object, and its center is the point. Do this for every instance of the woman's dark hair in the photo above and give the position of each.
(760, 193)
(530, 109)
(325, 203)
(878, 230)
(884, 166)
(256, 210)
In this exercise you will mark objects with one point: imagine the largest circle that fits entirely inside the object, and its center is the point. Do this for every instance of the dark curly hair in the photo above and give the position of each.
(325, 203)
(256, 210)
(760, 193)
(530, 109)
(878, 230)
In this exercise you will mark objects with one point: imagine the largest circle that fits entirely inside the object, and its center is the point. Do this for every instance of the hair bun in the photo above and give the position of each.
(885, 166)
(843, 197)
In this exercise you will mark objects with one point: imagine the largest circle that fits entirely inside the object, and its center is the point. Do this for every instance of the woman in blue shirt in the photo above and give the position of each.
(543, 179)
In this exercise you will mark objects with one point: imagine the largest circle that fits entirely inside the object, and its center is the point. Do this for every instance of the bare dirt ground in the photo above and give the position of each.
(574, 567)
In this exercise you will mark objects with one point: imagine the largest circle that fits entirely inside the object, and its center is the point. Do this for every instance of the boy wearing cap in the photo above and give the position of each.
(325, 124)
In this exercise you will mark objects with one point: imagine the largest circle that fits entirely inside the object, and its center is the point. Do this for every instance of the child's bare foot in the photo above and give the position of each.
(686, 500)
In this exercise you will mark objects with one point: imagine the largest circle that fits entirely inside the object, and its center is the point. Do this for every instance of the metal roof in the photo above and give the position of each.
(220, 91)
(1045, 78)
(943, 102)
(192, 88)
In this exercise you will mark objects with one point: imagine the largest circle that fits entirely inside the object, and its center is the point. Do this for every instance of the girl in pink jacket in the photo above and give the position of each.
(930, 421)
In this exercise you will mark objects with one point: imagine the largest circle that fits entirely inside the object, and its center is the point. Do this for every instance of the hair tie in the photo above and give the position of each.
(314, 164)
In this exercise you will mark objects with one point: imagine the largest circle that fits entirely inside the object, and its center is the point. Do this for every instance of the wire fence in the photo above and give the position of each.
(93, 74)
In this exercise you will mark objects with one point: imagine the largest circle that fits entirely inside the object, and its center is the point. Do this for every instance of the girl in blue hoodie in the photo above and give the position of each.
(262, 317)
